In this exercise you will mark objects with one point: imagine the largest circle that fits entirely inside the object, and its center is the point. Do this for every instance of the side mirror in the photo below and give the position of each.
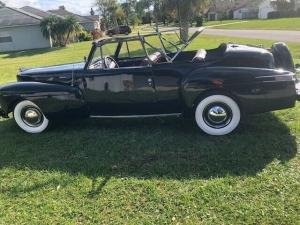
(85, 59)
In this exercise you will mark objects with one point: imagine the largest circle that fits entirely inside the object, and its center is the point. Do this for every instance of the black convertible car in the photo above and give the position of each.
(155, 75)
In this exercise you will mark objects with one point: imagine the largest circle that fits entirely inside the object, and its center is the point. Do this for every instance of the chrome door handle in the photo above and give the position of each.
(150, 82)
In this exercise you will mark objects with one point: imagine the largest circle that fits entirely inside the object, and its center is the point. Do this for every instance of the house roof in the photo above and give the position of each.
(63, 12)
(93, 18)
(35, 11)
(10, 17)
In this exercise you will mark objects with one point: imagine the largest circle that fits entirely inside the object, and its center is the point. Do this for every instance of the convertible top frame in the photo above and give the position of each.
(141, 38)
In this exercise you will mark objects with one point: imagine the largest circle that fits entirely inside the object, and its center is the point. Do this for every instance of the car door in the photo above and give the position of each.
(120, 91)
(167, 78)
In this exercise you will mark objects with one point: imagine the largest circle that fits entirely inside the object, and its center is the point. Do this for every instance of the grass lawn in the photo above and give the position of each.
(269, 24)
(150, 171)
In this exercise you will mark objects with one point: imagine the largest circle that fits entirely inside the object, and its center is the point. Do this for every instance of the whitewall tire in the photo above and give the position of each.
(30, 118)
(217, 115)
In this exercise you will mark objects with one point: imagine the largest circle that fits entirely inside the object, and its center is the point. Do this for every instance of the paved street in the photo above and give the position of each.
(277, 35)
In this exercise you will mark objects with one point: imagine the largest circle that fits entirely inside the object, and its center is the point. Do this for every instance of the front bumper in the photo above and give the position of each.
(298, 89)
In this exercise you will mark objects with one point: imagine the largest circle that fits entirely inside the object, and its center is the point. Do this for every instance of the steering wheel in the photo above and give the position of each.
(110, 62)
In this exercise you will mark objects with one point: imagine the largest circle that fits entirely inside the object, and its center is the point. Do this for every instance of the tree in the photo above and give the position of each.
(158, 11)
(143, 10)
(129, 10)
(59, 29)
(185, 11)
(103, 9)
(107, 9)
(71, 27)
(92, 12)
(48, 28)
(285, 5)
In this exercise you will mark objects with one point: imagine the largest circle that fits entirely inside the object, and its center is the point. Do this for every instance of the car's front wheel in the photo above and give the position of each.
(217, 115)
(30, 117)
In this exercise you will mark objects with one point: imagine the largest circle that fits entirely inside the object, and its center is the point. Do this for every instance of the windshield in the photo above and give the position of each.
(105, 50)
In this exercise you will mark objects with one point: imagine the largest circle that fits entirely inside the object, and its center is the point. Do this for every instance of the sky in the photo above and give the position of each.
(82, 7)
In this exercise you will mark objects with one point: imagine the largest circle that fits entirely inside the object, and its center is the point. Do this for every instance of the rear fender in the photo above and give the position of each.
(213, 79)
(247, 85)
(51, 98)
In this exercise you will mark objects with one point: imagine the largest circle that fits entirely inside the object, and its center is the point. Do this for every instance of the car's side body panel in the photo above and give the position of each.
(161, 89)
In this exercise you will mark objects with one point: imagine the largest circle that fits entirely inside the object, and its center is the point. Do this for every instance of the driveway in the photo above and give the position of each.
(277, 35)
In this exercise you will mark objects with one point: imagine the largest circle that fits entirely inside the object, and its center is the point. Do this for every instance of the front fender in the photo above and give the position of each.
(51, 98)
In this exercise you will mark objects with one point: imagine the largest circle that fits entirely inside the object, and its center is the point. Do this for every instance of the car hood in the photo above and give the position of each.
(53, 69)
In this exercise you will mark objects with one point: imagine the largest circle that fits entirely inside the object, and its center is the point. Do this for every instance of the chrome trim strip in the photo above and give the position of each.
(138, 116)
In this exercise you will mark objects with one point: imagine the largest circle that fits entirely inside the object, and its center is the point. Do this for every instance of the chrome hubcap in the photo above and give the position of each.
(217, 115)
(32, 117)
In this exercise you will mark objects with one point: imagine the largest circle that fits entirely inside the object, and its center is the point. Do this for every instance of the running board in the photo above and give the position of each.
(138, 116)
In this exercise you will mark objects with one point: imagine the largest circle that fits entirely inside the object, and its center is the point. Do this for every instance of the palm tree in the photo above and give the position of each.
(59, 29)
(48, 28)
(71, 27)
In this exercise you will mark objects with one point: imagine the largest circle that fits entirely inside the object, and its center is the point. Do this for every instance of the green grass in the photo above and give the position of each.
(269, 24)
(150, 171)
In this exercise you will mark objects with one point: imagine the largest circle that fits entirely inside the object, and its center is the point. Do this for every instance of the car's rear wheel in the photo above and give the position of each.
(217, 115)
(30, 117)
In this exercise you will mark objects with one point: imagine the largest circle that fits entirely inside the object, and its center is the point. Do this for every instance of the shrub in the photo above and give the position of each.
(274, 15)
(199, 21)
(96, 34)
(84, 36)
(135, 21)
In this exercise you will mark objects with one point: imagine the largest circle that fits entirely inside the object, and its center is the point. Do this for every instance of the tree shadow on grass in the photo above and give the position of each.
(152, 148)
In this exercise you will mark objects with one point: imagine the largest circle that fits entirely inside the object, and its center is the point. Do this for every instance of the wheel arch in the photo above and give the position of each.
(192, 104)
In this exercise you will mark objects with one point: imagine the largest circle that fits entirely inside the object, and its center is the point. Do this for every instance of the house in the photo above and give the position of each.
(265, 7)
(89, 23)
(245, 11)
(220, 11)
(297, 5)
(20, 30)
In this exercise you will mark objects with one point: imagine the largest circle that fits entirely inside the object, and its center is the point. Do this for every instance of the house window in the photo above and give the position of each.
(5, 39)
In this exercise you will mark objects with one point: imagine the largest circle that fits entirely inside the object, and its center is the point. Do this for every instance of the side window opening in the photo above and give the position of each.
(132, 49)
